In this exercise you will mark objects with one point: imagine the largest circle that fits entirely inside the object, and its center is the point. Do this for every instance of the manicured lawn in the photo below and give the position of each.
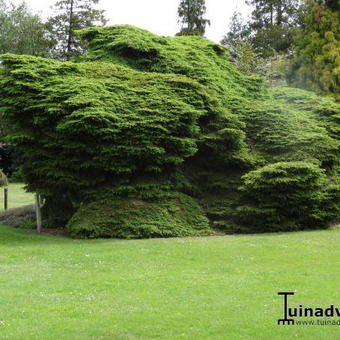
(192, 288)
(17, 196)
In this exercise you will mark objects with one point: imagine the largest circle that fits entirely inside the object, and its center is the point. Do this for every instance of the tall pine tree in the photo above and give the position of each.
(72, 15)
(316, 64)
(191, 16)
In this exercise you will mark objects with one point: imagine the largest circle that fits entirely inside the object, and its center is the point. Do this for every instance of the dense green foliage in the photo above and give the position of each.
(294, 125)
(191, 16)
(287, 196)
(99, 127)
(194, 57)
(332, 4)
(92, 127)
(316, 65)
(176, 215)
(21, 32)
(72, 15)
(141, 117)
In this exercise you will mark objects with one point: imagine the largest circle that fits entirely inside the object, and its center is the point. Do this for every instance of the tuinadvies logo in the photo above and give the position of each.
(291, 313)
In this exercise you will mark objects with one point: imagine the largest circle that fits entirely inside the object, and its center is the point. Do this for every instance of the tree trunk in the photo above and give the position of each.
(69, 38)
(38, 212)
(271, 14)
(188, 16)
(279, 13)
(5, 198)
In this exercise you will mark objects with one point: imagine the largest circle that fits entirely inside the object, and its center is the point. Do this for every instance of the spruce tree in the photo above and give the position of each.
(72, 15)
(191, 16)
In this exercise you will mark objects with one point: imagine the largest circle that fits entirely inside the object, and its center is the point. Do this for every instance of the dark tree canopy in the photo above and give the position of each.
(72, 15)
(191, 16)
(332, 4)
(272, 24)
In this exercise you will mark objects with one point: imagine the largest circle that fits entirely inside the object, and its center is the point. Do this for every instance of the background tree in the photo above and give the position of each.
(191, 16)
(316, 64)
(246, 56)
(332, 4)
(72, 15)
(237, 36)
(22, 32)
(272, 24)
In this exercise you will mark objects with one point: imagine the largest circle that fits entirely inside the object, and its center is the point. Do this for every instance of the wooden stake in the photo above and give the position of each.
(38, 212)
(5, 198)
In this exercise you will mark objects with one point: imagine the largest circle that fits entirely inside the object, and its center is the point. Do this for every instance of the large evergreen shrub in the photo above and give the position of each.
(294, 125)
(96, 127)
(171, 216)
(141, 117)
(89, 126)
(193, 56)
(286, 196)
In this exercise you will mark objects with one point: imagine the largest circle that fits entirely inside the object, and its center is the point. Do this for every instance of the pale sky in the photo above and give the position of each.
(157, 16)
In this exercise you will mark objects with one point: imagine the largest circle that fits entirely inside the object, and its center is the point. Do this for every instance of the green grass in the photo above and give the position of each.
(190, 288)
(17, 197)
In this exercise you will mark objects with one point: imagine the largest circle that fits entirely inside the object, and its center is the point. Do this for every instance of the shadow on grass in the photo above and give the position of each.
(15, 236)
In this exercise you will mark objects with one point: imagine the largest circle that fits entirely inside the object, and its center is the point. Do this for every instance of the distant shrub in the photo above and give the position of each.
(30, 224)
(176, 215)
(286, 196)
(18, 217)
